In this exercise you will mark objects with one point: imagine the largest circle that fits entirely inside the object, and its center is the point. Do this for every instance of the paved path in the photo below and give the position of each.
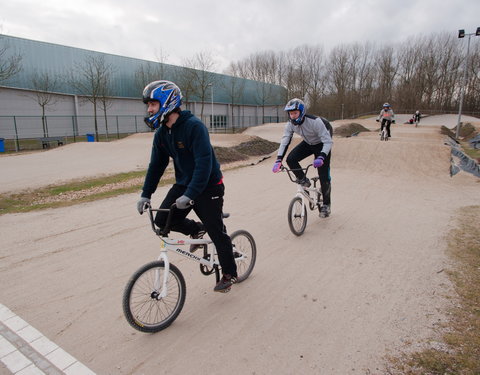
(26, 351)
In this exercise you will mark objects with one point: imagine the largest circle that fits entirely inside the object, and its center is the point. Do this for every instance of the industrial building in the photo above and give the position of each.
(64, 109)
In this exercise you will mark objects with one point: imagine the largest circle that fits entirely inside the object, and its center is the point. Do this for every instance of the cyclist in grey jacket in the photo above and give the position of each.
(316, 133)
(387, 117)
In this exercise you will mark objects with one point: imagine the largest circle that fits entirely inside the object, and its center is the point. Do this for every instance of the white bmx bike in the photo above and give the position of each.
(305, 197)
(155, 294)
(384, 134)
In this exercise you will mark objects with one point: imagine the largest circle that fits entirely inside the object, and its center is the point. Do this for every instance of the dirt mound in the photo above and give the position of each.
(347, 130)
(467, 131)
(254, 147)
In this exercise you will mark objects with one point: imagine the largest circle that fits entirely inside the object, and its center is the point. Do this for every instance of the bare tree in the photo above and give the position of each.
(44, 85)
(10, 64)
(151, 71)
(387, 70)
(472, 101)
(315, 76)
(91, 79)
(105, 98)
(201, 77)
(148, 72)
(183, 78)
(409, 90)
(340, 74)
(450, 61)
(234, 88)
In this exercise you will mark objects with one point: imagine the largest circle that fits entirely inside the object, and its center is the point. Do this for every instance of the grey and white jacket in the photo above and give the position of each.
(313, 130)
(387, 115)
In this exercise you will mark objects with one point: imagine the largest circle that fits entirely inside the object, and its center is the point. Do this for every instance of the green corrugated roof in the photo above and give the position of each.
(62, 61)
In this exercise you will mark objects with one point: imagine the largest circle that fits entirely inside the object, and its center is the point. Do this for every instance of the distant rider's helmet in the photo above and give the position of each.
(386, 105)
(296, 104)
(169, 96)
(417, 113)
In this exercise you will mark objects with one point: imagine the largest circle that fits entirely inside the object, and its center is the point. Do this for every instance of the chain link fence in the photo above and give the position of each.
(21, 133)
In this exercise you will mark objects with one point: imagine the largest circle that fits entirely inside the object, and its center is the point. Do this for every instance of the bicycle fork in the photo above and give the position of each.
(158, 283)
(301, 193)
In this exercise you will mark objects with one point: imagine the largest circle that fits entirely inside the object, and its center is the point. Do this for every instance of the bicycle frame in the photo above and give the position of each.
(304, 192)
(174, 245)
(155, 294)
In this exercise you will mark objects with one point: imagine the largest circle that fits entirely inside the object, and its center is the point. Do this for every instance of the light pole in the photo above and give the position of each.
(461, 34)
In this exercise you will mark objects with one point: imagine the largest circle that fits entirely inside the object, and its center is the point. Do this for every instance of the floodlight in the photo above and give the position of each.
(461, 33)
(478, 31)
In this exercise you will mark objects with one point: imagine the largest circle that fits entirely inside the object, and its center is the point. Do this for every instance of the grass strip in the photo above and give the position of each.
(459, 353)
(91, 189)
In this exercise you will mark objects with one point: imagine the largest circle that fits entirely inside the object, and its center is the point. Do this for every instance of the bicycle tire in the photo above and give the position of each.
(142, 308)
(296, 221)
(245, 252)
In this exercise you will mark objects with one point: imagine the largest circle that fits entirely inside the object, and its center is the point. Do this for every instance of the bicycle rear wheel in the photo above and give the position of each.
(245, 253)
(143, 307)
(297, 216)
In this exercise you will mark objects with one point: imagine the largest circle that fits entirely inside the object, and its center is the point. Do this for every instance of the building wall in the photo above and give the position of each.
(71, 115)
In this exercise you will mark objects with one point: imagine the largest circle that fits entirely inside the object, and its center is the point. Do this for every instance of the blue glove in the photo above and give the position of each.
(318, 162)
(142, 204)
(183, 202)
(277, 166)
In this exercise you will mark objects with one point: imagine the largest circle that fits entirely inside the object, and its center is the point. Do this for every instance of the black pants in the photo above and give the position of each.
(303, 150)
(386, 123)
(209, 208)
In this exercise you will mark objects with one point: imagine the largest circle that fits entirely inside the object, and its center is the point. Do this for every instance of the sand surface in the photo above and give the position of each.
(360, 284)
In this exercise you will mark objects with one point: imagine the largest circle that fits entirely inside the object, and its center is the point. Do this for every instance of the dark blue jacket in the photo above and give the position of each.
(188, 144)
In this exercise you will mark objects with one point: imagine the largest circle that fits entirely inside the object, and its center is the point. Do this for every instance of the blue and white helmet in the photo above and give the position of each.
(169, 96)
(386, 105)
(293, 105)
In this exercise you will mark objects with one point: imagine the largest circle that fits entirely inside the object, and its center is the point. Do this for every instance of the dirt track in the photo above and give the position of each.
(364, 282)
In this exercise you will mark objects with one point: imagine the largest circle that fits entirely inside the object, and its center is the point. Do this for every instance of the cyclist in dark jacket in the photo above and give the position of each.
(198, 178)
(416, 117)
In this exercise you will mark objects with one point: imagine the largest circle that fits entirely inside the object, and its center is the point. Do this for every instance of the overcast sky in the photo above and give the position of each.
(229, 30)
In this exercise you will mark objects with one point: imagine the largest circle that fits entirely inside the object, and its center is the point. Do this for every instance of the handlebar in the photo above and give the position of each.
(166, 229)
(290, 172)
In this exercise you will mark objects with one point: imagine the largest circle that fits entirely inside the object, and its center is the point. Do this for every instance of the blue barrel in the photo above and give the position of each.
(90, 137)
(2, 145)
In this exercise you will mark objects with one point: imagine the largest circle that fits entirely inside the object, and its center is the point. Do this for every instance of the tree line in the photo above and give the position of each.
(424, 73)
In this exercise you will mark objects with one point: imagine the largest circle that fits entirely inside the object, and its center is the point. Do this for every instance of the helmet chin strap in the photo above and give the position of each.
(165, 118)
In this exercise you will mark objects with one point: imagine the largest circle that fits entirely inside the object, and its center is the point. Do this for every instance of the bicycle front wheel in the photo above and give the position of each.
(144, 307)
(245, 253)
(297, 216)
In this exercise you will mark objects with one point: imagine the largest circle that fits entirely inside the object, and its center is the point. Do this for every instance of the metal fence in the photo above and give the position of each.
(26, 132)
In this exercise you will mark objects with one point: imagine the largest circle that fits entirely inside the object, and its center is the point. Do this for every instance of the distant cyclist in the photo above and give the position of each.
(317, 140)
(387, 116)
(416, 117)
